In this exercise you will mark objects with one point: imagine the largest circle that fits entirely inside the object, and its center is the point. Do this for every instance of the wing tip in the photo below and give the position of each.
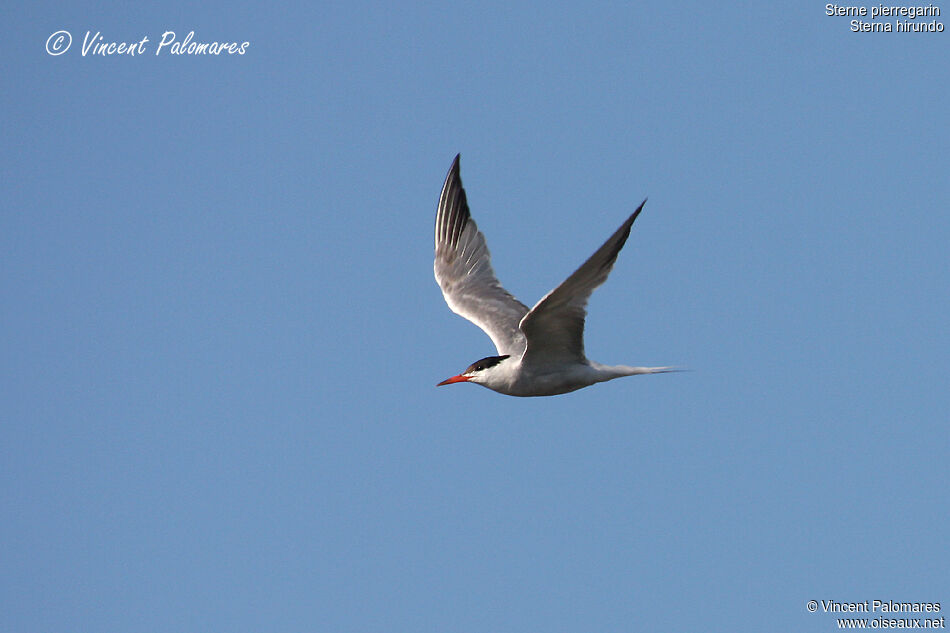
(634, 215)
(454, 169)
(452, 214)
(624, 232)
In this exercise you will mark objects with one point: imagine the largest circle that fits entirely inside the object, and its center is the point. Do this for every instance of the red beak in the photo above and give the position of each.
(449, 381)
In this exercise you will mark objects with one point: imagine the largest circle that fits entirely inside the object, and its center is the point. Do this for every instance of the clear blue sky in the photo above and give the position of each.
(221, 336)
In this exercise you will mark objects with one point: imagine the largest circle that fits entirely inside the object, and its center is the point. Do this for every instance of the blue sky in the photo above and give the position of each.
(221, 333)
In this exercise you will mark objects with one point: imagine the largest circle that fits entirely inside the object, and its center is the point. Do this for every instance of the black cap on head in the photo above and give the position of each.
(485, 363)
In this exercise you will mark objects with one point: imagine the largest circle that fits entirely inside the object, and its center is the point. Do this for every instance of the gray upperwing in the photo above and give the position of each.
(463, 270)
(554, 328)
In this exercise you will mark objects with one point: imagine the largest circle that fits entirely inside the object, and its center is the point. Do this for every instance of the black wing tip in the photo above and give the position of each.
(454, 175)
(453, 214)
(624, 232)
(637, 212)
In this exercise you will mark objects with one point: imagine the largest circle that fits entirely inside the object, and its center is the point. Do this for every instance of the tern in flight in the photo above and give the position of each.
(541, 350)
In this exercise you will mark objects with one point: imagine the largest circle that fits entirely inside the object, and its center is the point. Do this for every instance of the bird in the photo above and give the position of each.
(540, 350)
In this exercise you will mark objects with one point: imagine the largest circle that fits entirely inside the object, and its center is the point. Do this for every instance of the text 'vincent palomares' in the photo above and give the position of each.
(879, 606)
(98, 45)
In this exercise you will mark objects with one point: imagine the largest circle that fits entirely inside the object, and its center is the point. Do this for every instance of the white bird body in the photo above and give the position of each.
(513, 378)
(541, 350)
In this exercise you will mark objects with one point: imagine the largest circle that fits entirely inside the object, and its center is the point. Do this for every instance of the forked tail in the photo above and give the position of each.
(609, 372)
(633, 371)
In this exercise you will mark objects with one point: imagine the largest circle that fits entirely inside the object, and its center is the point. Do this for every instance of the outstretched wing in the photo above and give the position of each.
(554, 328)
(463, 270)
